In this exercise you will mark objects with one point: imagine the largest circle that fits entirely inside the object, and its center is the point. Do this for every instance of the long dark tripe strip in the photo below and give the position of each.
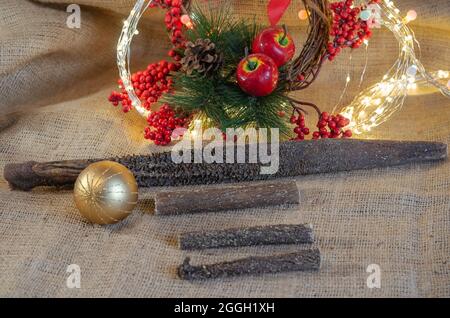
(248, 236)
(228, 197)
(296, 158)
(305, 260)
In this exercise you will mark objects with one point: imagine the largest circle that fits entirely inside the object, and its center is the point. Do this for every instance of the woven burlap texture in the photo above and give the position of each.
(58, 80)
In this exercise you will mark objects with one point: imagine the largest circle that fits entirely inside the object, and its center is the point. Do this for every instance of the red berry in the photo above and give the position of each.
(172, 67)
(297, 130)
(301, 123)
(341, 123)
(348, 133)
(177, 33)
(332, 124)
(175, 11)
(324, 134)
(321, 124)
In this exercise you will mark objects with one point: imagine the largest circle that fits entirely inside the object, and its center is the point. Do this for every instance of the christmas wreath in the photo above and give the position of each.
(233, 73)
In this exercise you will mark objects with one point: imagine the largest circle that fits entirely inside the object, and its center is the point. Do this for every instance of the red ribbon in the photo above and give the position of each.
(276, 10)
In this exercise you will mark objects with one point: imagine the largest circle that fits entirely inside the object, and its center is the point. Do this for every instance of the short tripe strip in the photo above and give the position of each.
(226, 197)
(305, 260)
(247, 236)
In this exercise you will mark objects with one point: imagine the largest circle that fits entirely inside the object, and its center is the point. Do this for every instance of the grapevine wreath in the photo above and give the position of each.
(232, 73)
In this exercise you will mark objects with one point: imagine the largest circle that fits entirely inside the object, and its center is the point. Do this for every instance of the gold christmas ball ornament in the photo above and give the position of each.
(106, 192)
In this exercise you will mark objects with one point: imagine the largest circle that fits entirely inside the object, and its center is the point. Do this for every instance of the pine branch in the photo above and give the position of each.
(218, 97)
(230, 36)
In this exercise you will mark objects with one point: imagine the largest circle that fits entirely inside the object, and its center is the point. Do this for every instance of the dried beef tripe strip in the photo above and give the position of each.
(248, 236)
(305, 260)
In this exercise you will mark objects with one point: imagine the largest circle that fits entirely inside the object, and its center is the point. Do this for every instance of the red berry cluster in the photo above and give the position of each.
(331, 126)
(173, 23)
(300, 127)
(162, 124)
(148, 85)
(347, 28)
(115, 98)
(151, 83)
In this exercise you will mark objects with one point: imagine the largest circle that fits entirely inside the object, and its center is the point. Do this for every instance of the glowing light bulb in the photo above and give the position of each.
(412, 70)
(198, 123)
(411, 86)
(379, 110)
(411, 15)
(442, 74)
(186, 20)
(365, 15)
(366, 101)
(303, 15)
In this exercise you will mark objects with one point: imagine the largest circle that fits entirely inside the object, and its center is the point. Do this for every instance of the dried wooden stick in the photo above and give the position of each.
(296, 158)
(248, 236)
(228, 197)
(305, 260)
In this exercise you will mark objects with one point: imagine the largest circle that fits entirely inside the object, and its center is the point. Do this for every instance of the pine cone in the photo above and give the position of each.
(202, 57)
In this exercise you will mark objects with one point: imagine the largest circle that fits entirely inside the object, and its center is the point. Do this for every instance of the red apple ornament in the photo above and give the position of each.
(276, 43)
(257, 75)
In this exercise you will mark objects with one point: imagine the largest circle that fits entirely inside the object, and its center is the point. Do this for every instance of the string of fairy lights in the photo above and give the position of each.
(371, 107)
(129, 30)
(376, 104)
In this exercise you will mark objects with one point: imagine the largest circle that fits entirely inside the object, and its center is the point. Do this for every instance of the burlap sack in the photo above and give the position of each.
(397, 218)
